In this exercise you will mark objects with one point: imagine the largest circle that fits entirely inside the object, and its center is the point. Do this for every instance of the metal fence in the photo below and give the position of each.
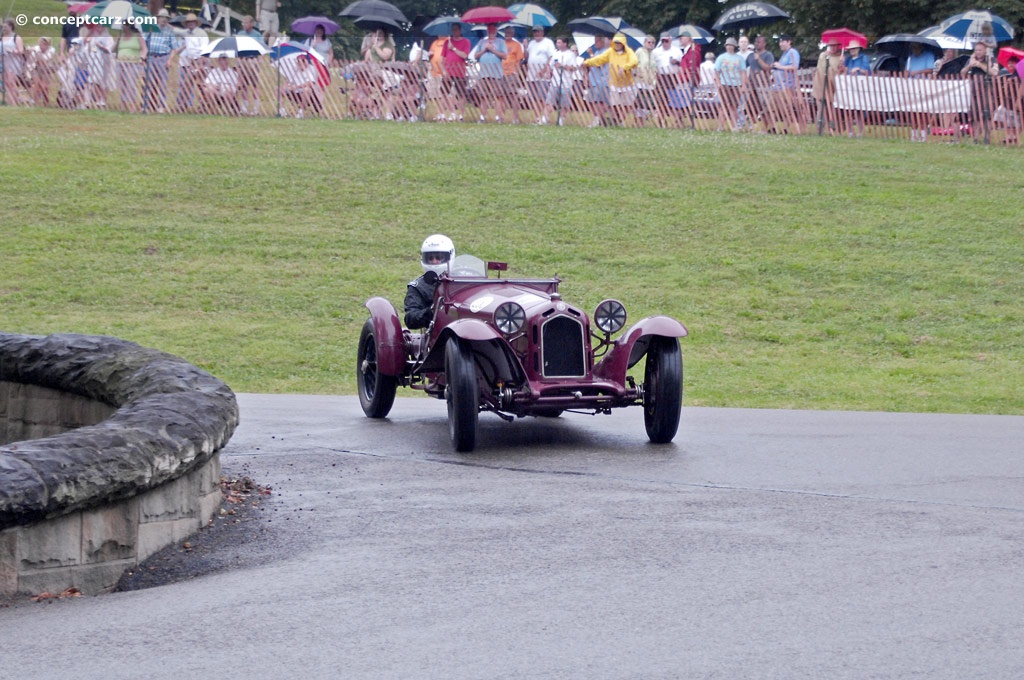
(979, 109)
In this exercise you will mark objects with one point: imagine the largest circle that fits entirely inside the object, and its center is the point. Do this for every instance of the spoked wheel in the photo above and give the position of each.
(376, 391)
(461, 393)
(663, 389)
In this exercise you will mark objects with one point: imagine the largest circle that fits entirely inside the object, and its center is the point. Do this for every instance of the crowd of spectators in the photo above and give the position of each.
(664, 82)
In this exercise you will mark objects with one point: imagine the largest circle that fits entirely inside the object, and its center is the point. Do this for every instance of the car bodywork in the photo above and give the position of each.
(514, 347)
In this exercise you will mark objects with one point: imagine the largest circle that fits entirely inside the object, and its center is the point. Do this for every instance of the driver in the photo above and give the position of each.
(436, 253)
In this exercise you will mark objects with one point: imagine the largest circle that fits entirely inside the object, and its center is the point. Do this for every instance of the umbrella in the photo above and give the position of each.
(749, 14)
(81, 7)
(442, 26)
(235, 46)
(946, 42)
(374, 22)
(373, 8)
(899, 44)
(845, 36)
(121, 11)
(1006, 53)
(487, 15)
(976, 24)
(518, 30)
(700, 35)
(593, 26)
(307, 25)
(954, 66)
(287, 53)
(634, 37)
(532, 15)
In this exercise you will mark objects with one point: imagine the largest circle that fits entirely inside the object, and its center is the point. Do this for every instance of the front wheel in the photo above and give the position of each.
(461, 394)
(663, 389)
(376, 391)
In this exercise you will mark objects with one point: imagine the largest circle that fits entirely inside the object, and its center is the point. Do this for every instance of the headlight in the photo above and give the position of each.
(509, 317)
(610, 316)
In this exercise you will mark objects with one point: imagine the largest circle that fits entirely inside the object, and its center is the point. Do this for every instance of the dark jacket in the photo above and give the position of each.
(419, 303)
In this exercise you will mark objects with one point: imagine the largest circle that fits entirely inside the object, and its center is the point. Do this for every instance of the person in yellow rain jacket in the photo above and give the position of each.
(621, 62)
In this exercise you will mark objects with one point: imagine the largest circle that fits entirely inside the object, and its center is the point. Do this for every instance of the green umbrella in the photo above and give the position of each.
(115, 13)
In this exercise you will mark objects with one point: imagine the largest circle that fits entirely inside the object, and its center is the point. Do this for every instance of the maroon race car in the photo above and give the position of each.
(515, 348)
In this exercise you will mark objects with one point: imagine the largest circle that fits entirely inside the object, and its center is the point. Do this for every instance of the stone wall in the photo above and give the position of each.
(110, 451)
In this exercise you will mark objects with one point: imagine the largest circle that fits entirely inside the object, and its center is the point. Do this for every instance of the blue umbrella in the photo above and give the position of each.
(532, 15)
(442, 26)
(605, 26)
(976, 24)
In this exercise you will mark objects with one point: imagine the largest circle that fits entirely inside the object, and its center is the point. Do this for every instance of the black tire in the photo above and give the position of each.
(663, 389)
(376, 391)
(462, 394)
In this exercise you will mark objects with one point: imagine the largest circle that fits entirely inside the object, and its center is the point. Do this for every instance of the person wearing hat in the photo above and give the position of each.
(830, 64)
(621, 62)
(855, 63)
(785, 91)
(539, 51)
(731, 79)
(191, 71)
(163, 43)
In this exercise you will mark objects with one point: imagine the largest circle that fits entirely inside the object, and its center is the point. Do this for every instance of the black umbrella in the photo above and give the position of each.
(954, 66)
(374, 22)
(749, 14)
(899, 45)
(374, 8)
(594, 26)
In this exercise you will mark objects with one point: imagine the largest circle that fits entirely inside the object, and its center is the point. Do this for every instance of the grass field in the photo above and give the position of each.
(812, 273)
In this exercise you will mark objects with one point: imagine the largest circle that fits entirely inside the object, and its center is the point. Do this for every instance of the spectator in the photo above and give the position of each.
(855, 63)
(730, 72)
(539, 51)
(622, 62)
(435, 80)
(578, 79)
(786, 89)
(759, 66)
(68, 33)
(378, 82)
(249, 72)
(563, 66)
(511, 66)
(191, 70)
(268, 18)
(490, 53)
(647, 83)
(708, 81)
(163, 43)
(597, 81)
(744, 49)
(99, 48)
(979, 69)
(131, 51)
(303, 86)
(919, 65)
(667, 58)
(689, 61)
(455, 52)
(220, 88)
(40, 66)
(320, 44)
(13, 60)
(830, 64)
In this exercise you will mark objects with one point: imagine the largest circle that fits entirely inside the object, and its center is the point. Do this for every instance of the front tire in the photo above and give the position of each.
(663, 389)
(376, 391)
(461, 394)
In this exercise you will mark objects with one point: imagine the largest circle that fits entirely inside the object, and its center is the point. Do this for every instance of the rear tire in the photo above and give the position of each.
(461, 394)
(376, 391)
(663, 389)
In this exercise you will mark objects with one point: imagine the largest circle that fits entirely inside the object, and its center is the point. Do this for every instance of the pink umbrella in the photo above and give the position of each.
(487, 15)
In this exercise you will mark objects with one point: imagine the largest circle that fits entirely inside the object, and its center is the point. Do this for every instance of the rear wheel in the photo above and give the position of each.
(376, 391)
(663, 389)
(461, 394)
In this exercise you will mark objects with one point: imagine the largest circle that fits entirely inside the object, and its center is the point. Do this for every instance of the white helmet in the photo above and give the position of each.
(437, 253)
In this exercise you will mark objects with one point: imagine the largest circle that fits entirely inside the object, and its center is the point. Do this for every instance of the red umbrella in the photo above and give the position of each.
(845, 36)
(487, 15)
(81, 7)
(1006, 52)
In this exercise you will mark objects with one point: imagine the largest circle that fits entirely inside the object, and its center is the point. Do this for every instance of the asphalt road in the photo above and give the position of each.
(761, 544)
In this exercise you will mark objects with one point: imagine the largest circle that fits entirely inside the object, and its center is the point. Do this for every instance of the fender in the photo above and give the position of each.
(476, 331)
(388, 329)
(632, 346)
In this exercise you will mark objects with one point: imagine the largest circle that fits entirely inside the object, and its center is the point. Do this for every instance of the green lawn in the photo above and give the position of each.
(812, 273)
(33, 9)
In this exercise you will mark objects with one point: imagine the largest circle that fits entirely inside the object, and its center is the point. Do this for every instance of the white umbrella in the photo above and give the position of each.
(235, 46)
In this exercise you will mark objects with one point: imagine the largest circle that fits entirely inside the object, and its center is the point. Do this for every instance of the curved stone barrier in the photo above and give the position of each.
(128, 461)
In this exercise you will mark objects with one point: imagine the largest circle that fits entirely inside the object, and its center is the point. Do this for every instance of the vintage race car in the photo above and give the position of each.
(515, 348)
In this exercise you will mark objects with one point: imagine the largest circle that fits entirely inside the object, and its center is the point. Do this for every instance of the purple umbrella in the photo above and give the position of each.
(307, 25)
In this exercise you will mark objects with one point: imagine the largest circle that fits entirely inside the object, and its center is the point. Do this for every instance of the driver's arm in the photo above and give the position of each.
(419, 308)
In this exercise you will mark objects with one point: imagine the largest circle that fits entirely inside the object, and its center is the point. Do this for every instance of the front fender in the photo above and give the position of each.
(632, 346)
(387, 328)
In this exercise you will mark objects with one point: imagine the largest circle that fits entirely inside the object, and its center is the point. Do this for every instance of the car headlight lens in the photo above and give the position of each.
(509, 317)
(610, 316)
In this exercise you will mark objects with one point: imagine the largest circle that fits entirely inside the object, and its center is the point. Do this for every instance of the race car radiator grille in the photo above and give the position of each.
(563, 349)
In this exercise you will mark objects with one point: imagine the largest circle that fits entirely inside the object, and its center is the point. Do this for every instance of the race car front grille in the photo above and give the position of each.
(563, 348)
